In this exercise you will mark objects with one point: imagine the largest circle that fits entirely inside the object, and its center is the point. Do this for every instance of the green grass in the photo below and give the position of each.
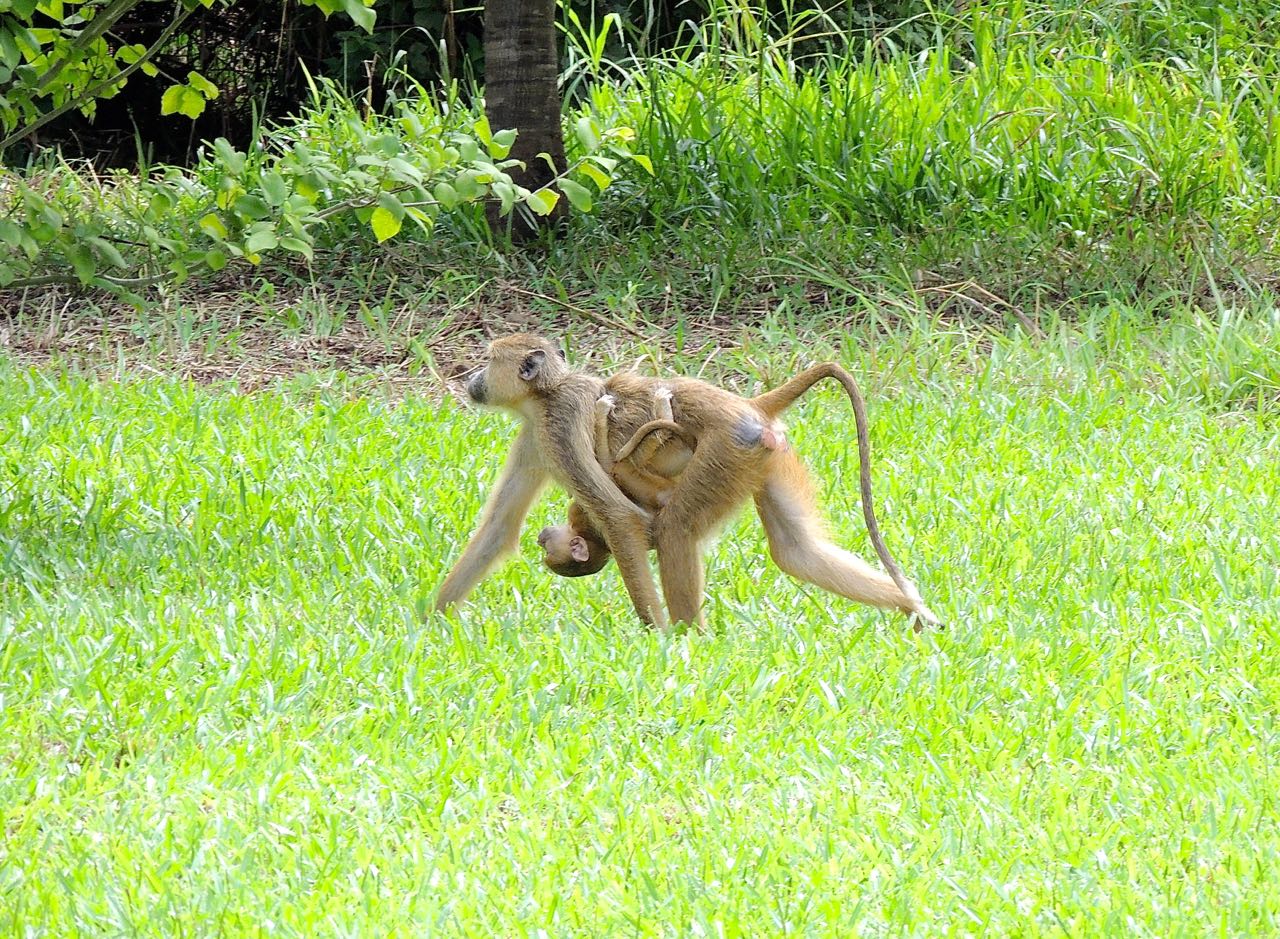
(222, 711)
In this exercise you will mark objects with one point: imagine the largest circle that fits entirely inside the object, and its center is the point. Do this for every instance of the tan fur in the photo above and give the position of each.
(526, 374)
(739, 454)
(630, 468)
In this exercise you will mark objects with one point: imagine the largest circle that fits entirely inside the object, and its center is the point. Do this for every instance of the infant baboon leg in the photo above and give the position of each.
(662, 410)
(628, 449)
(604, 405)
(645, 488)
(646, 449)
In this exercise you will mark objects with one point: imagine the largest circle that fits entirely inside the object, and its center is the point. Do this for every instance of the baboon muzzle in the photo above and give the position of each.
(475, 388)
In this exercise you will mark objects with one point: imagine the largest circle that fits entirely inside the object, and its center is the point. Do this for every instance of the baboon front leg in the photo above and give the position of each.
(523, 477)
(623, 524)
(680, 567)
(631, 553)
(800, 547)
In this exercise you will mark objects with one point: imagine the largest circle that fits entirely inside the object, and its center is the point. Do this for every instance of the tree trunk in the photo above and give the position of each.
(520, 72)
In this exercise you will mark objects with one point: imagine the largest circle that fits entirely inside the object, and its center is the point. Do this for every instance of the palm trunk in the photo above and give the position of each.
(520, 70)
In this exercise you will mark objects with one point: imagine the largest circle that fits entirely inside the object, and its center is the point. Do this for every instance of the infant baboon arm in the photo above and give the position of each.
(645, 450)
(604, 405)
(663, 407)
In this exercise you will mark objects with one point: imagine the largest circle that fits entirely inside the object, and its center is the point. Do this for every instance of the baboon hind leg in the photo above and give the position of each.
(719, 478)
(800, 547)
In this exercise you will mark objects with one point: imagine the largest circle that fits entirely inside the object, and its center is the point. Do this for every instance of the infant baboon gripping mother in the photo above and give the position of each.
(731, 461)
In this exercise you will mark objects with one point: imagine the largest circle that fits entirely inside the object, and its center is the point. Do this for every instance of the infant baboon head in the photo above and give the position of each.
(569, 554)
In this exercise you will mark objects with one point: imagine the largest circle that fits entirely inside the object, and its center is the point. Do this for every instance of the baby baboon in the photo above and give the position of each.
(528, 376)
(630, 468)
(575, 549)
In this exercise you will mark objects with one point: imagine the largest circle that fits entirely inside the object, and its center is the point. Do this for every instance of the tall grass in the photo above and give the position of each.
(1015, 126)
(1049, 150)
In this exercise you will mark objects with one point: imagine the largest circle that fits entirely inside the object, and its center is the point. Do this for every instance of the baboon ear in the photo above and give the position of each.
(578, 549)
(532, 364)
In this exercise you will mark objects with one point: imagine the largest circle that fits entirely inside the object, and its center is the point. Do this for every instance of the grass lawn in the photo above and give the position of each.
(224, 712)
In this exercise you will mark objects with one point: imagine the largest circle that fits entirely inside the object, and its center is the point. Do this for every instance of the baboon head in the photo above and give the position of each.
(570, 554)
(517, 368)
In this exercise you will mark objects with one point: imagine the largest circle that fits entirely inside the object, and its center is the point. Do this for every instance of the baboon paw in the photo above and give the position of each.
(922, 617)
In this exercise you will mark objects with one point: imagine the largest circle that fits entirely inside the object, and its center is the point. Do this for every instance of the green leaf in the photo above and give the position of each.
(10, 233)
(360, 14)
(213, 225)
(389, 202)
(445, 194)
(130, 54)
(108, 252)
(192, 102)
(481, 127)
(9, 53)
(585, 131)
(384, 224)
(230, 157)
(543, 201)
(596, 175)
(500, 145)
(171, 102)
(467, 187)
(506, 193)
(251, 206)
(274, 188)
(127, 55)
(387, 144)
(404, 171)
(202, 84)
(262, 240)
(182, 99)
(424, 217)
(159, 205)
(579, 195)
(82, 262)
(215, 259)
(643, 161)
(297, 246)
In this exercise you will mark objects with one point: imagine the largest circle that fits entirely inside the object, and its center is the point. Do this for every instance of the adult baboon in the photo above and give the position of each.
(527, 375)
